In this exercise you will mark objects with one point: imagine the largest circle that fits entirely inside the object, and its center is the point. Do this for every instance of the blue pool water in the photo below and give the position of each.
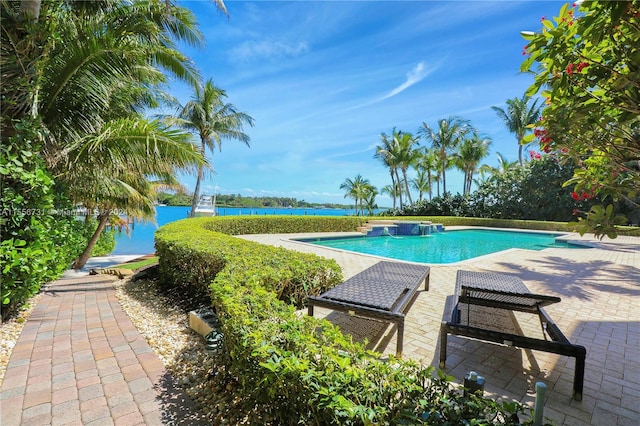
(444, 247)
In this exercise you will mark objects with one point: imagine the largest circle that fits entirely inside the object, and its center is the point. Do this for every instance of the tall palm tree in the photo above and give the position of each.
(406, 155)
(445, 138)
(421, 183)
(470, 153)
(213, 120)
(358, 189)
(387, 154)
(392, 191)
(427, 163)
(519, 115)
(369, 199)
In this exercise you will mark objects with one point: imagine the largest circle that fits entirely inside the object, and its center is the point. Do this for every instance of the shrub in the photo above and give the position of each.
(296, 369)
(37, 244)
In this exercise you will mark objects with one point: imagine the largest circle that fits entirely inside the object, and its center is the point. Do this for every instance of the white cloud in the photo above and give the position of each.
(250, 50)
(414, 76)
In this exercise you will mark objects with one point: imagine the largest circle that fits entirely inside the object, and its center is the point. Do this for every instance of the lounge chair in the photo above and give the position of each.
(383, 291)
(508, 292)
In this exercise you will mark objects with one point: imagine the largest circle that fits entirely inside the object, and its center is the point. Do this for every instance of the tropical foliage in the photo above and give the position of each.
(586, 63)
(76, 78)
(535, 191)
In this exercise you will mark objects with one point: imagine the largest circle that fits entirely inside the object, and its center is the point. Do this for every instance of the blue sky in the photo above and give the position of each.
(323, 80)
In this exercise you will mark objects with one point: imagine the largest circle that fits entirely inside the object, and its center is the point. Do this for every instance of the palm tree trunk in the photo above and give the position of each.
(430, 186)
(444, 176)
(30, 9)
(399, 187)
(196, 191)
(86, 254)
(393, 185)
(520, 150)
(406, 185)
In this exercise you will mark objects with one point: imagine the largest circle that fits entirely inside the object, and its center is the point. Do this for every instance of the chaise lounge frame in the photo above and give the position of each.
(383, 292)
(508, 292)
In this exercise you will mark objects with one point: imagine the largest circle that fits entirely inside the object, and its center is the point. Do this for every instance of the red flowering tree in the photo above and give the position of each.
(586, 63)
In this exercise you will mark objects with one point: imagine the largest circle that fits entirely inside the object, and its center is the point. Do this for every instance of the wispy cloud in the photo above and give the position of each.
(416, 75)
(251, 50)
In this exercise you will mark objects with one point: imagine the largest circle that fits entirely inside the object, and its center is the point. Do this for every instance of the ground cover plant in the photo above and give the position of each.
(296, 369)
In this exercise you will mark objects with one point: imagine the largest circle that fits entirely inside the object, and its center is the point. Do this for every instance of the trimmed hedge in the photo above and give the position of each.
(290, 368)
(243, 225)
(191, 254)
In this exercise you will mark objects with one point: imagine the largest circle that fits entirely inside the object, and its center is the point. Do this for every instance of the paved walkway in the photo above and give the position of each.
(80, 361)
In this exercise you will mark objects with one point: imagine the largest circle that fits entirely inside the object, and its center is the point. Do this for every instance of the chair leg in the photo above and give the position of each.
(443, 345)
(400, 339)
(578, 378)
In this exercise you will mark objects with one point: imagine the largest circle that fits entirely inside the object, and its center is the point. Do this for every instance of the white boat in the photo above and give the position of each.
(206, 206)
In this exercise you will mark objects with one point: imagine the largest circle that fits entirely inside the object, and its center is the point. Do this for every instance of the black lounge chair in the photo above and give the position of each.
(383, 291)
(508, 292)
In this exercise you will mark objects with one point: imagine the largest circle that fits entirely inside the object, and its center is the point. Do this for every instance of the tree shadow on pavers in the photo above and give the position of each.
(176, 406)
(579, 280)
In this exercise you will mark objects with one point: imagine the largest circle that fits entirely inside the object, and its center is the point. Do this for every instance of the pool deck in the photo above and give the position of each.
(600, 310)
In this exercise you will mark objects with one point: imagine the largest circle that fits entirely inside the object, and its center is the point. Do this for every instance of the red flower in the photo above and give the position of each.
(570, 69)
(581, 66)
(575, 212)
(575, 196)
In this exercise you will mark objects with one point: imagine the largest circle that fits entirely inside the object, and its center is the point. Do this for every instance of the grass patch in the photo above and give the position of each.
(134, 266)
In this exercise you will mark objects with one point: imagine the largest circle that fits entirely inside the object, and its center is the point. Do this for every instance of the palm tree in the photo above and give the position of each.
(421, 183)
(129, 152)
(393, 191)
(369, 199)
(445, 139)
(406, 156)
(518, 117)
(213, 120)
(470, 153)
(358, 189)
(386, 152)
(427, 163)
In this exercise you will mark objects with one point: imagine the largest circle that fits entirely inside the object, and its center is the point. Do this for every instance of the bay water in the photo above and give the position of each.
(139, 239)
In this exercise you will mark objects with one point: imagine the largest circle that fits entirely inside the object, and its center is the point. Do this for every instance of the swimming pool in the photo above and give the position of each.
(444, 247)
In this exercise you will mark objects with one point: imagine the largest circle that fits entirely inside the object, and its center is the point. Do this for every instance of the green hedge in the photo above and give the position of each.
(192, 254)
(242, 225)
(292, 368)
